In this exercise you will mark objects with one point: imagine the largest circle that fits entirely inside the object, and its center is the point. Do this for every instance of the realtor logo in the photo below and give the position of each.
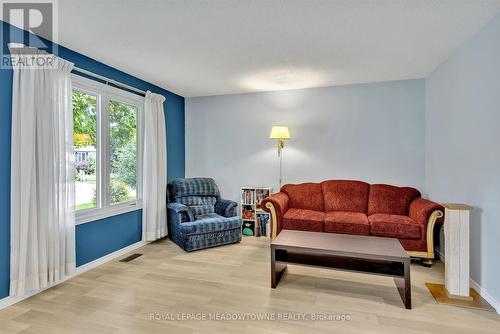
(28, 21)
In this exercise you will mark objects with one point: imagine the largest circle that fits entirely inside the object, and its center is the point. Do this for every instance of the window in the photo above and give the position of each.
(123, 157)
(107, 149)
(85, 141)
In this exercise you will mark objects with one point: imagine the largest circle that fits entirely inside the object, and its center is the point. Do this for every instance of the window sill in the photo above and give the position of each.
(98, 214)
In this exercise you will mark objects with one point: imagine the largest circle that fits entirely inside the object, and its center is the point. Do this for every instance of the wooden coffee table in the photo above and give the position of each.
(355, 253)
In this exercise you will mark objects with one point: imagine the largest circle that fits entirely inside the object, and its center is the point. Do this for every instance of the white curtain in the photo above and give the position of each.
(154, 180)
(42, 176)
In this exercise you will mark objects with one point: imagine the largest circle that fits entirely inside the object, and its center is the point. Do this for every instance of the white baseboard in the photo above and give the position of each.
(489, 298)
(8, 301)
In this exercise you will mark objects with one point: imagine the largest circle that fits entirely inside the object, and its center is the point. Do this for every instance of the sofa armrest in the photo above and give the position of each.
(422, 210)
(226, 208)
(277, 204)
(181, 210)
(427, 214)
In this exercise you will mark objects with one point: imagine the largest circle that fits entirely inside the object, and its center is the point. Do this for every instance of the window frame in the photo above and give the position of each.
(104, 94)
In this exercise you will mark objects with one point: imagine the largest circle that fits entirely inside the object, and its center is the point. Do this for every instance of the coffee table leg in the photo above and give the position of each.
(404, 285)
(277, 269)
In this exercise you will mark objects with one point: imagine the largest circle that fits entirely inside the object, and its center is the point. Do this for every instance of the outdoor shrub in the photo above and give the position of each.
(118, 191)
(124, 166)
(92, 164)
(82, 166)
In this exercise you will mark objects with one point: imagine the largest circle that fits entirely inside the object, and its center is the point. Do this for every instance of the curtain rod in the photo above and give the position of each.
(108, 80)
(91, 74)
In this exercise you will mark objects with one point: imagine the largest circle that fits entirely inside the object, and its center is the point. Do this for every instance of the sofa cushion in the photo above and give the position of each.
(347, 222)
(308, 196)
(390, 199)
(305, 220)
(394, 226)
(345, 195)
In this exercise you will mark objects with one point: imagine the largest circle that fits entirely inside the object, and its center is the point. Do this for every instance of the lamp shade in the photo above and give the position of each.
(280, 132)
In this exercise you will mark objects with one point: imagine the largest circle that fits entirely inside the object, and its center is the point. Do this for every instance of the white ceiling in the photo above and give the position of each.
(197, 48)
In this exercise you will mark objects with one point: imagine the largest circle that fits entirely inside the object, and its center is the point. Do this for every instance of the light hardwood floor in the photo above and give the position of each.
(121, 298)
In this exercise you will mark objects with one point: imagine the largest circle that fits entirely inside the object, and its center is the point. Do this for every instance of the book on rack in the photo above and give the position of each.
(262, 224)
(260, 194)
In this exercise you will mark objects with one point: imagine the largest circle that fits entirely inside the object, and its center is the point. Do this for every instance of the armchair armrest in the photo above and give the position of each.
(181, 209)
(422, 210)
(225, 207)
(277, 204)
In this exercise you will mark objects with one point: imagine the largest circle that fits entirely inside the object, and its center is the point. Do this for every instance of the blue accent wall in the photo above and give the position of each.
(99, 238)
(5, 131)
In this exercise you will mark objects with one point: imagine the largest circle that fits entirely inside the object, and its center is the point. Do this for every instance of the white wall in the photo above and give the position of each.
(463, 145)
(372, 132)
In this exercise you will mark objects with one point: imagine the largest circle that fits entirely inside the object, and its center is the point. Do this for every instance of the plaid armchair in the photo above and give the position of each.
(198, 218)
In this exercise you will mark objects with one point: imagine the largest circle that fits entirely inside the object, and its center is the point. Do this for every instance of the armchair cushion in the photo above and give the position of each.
(200, 210)
(306, 220)
(197, 200)
(226, 208)
(347, 222)
(198, 186)
(394, 226)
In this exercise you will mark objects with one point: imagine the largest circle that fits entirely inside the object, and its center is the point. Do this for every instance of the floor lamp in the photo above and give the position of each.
(281, 133)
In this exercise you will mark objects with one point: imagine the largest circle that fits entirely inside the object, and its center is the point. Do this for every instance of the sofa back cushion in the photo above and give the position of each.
(391, 199)
(345, 195)
(307, 196)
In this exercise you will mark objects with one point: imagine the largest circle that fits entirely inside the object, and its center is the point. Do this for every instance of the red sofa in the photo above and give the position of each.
(355, 207)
